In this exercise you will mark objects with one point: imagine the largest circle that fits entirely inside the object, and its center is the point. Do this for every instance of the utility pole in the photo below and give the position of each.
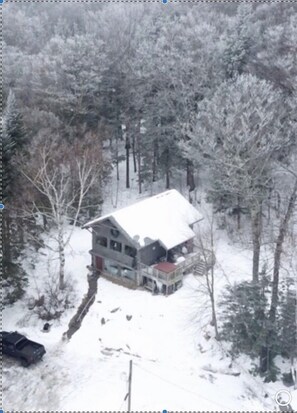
(130, 386)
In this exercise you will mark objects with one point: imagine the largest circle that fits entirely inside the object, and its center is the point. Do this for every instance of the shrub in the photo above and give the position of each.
(244, 317)
(14, 282)
(55, 301)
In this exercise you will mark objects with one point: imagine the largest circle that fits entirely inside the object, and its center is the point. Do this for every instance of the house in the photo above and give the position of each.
(149, 243)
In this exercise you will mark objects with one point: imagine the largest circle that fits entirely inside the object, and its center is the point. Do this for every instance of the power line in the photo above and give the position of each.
(243, 369)
(183, 388)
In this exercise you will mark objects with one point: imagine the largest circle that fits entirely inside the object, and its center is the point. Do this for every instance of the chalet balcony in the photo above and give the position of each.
(114, 255)
(171, 273)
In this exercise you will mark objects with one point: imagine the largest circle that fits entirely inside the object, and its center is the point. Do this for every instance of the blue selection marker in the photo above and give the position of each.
(164, 411)
(1, 411)
(1, 207)
(165, 2)
(1, 2)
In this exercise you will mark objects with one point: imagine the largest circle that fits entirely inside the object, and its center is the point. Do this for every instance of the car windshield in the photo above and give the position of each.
(21, 344)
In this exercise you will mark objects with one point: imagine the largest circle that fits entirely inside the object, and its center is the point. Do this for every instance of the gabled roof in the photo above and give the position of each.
(164, 217)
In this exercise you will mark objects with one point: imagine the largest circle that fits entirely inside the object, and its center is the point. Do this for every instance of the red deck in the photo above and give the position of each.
(165, 267)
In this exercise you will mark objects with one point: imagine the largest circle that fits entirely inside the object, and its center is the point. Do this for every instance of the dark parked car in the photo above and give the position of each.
(18, 346)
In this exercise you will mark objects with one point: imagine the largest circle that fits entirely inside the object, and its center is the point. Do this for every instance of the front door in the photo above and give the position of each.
(99, 263)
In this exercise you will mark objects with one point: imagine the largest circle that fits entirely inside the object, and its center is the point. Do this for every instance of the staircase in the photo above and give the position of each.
(199, 268)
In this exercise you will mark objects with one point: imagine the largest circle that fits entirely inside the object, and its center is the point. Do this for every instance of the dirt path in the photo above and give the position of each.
(86, 303)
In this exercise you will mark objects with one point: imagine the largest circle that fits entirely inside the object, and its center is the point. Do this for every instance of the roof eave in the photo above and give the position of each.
(115, 222)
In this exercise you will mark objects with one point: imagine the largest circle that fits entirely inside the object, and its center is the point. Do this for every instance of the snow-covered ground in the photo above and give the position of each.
(177, 364)
(172, 360)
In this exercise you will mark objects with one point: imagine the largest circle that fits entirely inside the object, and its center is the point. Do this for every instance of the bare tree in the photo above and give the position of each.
(267, 349)
(207, 249)
(62, 174)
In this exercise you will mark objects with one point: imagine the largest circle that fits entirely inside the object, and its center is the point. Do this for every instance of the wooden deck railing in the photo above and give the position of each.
(190, 261)
(165, 278)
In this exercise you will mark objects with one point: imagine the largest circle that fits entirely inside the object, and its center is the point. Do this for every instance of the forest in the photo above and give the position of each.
(205, 93)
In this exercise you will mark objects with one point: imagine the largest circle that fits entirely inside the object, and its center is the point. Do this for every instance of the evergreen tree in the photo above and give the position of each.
(287, 321)
(239, 133)
(14, 139)
(239, 43)
(244, 317)
(8, 147)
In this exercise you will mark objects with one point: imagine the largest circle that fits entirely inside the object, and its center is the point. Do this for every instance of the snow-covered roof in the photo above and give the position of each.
(164, 217)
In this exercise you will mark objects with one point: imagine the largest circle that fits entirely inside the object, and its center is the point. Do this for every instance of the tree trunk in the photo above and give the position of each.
(269, 206)
(266, 357)
(139, 161)
(6, 235)
(214, 317)
(190, 176)
(210, 278)
(117, 159)
(127, 147)
(127, 167)
(155, 157)
(167, 179)
(278, 205)
(256, 217)
(61, 260)
(238, 214)
(213, 305)
(134, 153)
(167, 169)
(294, 371)
(278, 252)
(266, 354)
(44, 220)
(20, 230)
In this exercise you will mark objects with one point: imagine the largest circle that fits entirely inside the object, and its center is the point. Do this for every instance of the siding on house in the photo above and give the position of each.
(151, 253)
(104, 231)
(128, 242)
(114, 255)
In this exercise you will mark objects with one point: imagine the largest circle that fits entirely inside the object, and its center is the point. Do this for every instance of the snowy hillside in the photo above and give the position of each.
(173, 363)
(177, 363)
(123, 125)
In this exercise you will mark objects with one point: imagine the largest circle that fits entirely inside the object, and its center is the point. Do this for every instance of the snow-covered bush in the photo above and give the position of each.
(53, 301)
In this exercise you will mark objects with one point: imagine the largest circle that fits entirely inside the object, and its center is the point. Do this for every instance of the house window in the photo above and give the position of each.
(116, 246)
(128, 273)
(130, 251)
(101, 241)
(111, 267)
(115, 233)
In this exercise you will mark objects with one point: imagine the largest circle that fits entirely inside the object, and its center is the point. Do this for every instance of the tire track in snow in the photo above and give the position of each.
(41, 384)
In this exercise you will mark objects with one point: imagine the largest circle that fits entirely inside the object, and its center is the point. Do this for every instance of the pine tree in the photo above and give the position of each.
(239, 43)
(8, 147)
(244, 317)
(288, 322)
(239, 133)
(14, 139)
